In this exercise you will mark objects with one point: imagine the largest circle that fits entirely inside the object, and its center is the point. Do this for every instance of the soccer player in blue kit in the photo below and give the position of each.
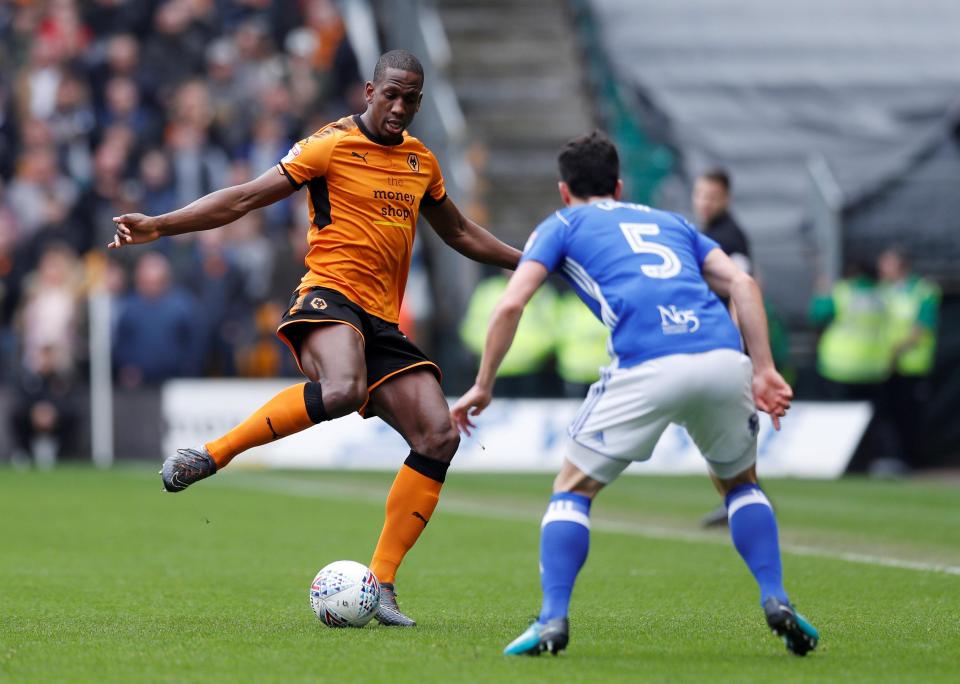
(656, 282)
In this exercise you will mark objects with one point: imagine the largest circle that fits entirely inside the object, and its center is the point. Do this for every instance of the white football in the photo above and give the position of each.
(345, 594)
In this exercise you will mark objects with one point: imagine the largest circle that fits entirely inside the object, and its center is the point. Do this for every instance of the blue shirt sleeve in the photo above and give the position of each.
(547, 244)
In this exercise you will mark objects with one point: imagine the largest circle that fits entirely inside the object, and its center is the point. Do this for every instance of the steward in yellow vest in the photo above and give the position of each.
(912, 307)
(581, 345)
(854, 348)
(534, 344)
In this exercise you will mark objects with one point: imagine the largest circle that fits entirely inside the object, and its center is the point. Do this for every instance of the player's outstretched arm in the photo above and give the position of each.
(500, 334)
(468, 238)
(770, 391)
(210, 211)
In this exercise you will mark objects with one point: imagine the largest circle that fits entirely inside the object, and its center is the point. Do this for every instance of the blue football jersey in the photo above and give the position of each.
(639, 271)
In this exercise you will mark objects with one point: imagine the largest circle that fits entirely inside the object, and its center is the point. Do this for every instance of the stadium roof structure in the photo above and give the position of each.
(765, 87)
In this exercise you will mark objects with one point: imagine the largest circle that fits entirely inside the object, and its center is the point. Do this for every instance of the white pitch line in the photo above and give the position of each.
(501, 511)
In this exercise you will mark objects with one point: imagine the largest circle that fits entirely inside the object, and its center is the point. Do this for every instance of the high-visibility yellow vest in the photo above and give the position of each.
(534, 341)
(581, 341)
(903, 303)
(854, 348)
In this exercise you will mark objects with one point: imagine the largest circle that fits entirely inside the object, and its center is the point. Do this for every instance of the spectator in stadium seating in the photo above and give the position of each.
(156, 177)
(333, 57)
(174, 50)
(258, 66)
(306, 82)
(253, 255)
(40, 194)
(122, 106)
(50, 312)
(524, 371)
(112, 17)
(711, 205)
(63, 28)
(43, 418)
(38, 82)
(270, 140)
(17, 37)
(200, 164)
(911, 305)
(9, 290)
(264, 355)
(116, 56)
(581, 346)
(218, 285)
(8, 131)
(156, 328)
(103, 196)
(72, 125)
(231, 111)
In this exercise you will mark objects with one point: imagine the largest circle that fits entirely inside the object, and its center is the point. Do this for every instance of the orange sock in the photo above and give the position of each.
(294, 409)
(410, 504)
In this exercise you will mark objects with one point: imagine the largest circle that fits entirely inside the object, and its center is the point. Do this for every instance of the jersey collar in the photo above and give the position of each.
(373, 137)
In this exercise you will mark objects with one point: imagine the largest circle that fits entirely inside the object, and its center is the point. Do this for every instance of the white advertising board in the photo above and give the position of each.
(817, 439)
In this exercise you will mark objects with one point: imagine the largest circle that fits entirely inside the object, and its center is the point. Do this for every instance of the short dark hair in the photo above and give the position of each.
(397, 59)
(590, 165)
(718, 175)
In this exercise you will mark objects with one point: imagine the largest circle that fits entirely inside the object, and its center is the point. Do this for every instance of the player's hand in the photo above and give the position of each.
(133, 229)
(470, 404)
(772, 394)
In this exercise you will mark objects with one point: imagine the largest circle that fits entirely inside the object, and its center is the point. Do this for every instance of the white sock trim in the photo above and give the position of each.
(564, 511)
(748, 498)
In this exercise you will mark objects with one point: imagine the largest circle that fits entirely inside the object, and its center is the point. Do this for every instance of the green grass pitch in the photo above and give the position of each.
(105, 579)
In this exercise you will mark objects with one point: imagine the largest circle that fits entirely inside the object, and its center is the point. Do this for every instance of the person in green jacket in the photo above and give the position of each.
(524, 369)
(911, 306)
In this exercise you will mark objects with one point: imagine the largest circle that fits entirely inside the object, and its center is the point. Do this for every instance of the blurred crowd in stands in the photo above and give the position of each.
(114, 106)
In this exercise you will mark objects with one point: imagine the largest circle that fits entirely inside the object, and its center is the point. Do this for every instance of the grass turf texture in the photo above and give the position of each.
(103, 578)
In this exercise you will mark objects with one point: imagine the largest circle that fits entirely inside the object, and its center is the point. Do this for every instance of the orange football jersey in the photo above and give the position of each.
(364, 201)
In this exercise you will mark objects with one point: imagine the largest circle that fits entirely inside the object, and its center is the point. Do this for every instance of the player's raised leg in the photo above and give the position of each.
(332, 358)
(413, 404)
(753, 527)
(564, 543)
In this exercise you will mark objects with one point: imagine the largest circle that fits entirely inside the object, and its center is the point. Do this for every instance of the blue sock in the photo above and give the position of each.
(754, 531)
(564, 542)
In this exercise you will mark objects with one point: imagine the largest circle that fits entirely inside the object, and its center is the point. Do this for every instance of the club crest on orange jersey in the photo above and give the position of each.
(318, 303)
(414, 162)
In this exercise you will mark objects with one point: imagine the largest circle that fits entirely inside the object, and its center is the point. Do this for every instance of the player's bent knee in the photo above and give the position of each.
(440, 445)
(748, 476)
(341, 397)
(572, 479)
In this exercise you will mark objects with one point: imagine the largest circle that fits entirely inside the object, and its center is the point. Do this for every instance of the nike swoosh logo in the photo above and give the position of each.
(417, 515)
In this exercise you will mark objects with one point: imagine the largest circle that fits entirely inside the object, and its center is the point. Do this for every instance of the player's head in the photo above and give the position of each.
(711, 195)
(589, 168)
(393, 96)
